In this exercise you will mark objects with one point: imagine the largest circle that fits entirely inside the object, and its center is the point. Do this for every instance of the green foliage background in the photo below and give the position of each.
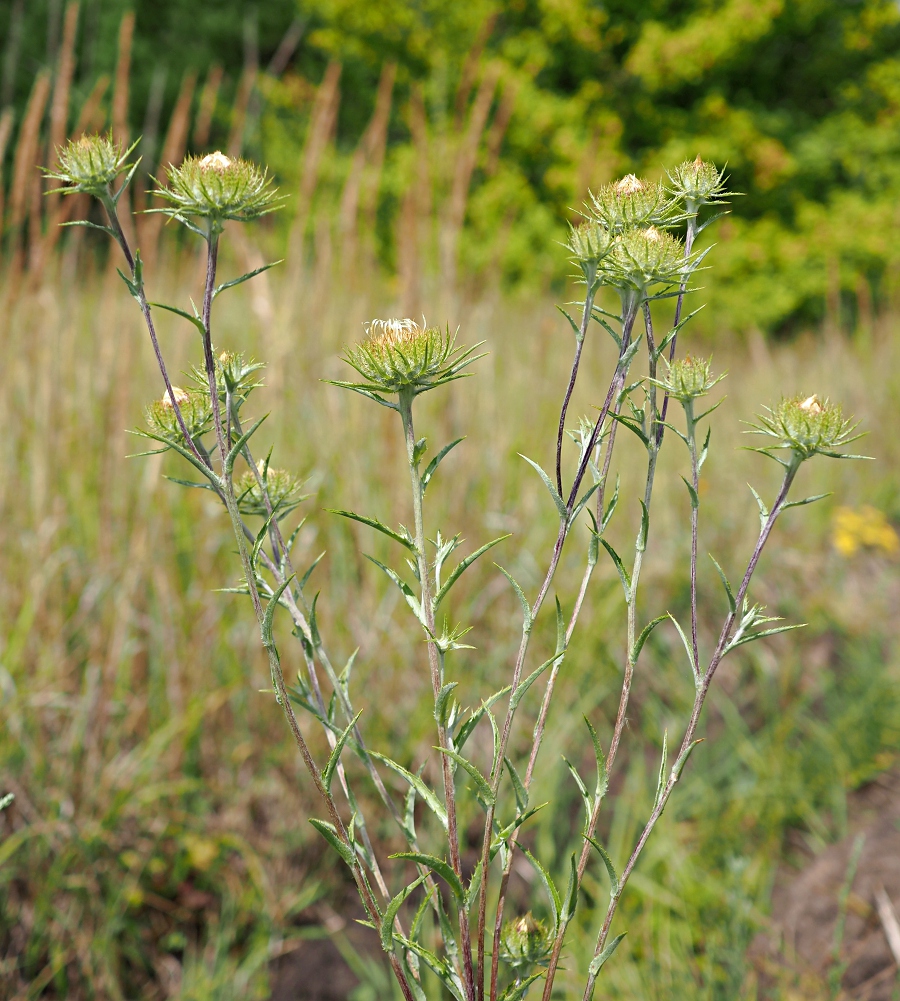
(801, 99)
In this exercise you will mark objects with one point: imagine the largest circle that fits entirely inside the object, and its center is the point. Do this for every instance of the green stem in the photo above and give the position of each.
(405, 402)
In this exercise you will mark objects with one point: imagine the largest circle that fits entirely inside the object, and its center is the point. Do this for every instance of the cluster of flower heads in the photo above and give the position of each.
(402, 355)
(807, 427)
(624, 241)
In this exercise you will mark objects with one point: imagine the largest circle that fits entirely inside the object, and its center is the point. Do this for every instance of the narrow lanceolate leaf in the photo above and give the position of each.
(390, 915)
(806, 500)
(439, 967)
(244, 278)
(482, 786)
(579, 507)
(632, 426)
(571, 901)
(6, 800)
(260, 540)
(695, 500)
(610, 508)
(765, 632)
(440, 868)
(519, 988)
(407, 591)
(518, 786)
(731, 601)
(598, 961)
(763, 510)
(422, 788)
(432, 466)
(442, 703)
(681, 761)
(520, 594)
(461, 568)
(195, 320)
(582, 788)
(610, 867)
(704, 452)
(465, 731)
(523, 686)
(687, 646)
(334, 759)
(266, 628)
(602, 775)
(557, 500)
(238, 446)
(404, 540)
(644, 530)
(642, 639)
(661, 781)
(331, 836)
(560, 628)
(620, 566)
(552, 892)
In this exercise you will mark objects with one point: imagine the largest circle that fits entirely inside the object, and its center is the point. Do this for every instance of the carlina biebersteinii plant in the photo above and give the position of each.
(437, 922)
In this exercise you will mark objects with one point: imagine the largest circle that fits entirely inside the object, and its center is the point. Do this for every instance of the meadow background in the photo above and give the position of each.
(158, 844)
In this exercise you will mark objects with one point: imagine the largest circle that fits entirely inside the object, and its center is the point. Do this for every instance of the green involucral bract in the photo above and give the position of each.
(697, 183)
(524, 944)
(641, 258)
(806, 426)
(215, 188)
(632, 203)
(195, 409)
(89, 164)
(283, 490)
(688, 378)
(400, 355)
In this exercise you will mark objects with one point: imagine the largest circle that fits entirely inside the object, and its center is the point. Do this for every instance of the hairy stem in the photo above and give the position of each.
(405, 403)
(579, 346)
(702, 684)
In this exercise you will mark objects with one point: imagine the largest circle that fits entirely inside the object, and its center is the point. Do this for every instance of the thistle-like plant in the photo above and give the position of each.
(444, 928)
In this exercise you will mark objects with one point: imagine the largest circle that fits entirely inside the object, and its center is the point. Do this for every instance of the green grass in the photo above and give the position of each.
(159, 835)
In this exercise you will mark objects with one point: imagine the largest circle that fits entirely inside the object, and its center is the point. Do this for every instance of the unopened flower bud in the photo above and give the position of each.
(697, 183)
(631, 203)
(195, 412)
(89, 164)
(525, 942)
(807, 426)
(689, 378)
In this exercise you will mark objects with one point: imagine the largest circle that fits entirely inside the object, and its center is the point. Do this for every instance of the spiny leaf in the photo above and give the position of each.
(526, 608)
(582, 788)
(602, 776)
(695, 670)
(335, 757)
(195, 320)
(661, 781)
(645, 633)
(645, 529)
(695, 500)
(329, 833)
(238, 446)
(557, 500)
(406, 590)
(681, 761)
(431, 469)
(571, 892)
(481, 783)
(377, 525)
(266, 628)
(620, 566)
(518, 786)
(806, 500)
(731, 601)
(552, 892)
(523, 686)
(608, 862)
(763, 510)
(598, 962)
(244, 278)
(461, 567)
(424, 791)
(440, 868)
(390, 914)
(442, 703)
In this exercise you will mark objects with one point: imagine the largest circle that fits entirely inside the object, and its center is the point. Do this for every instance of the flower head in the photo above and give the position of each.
(807, 426)
(589, 243)
(688, 378)
(216, 187)
(400, 355)
(525, 943)
(89, 164)
(641, 258)
(281, 487)
(697, 183)
(632, 203)
(195, 411)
